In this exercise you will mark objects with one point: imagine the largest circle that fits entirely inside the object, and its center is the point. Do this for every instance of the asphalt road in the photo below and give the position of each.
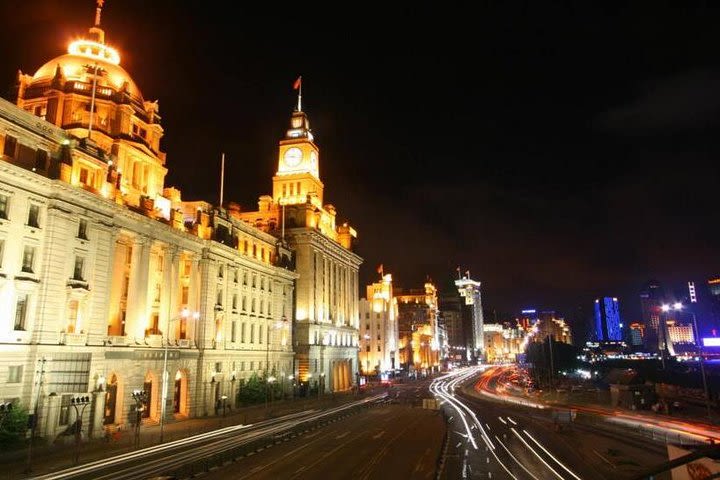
(397, 440)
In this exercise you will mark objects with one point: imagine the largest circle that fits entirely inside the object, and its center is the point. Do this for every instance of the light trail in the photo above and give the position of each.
(514, 458)
(550, 454)
(536, 453)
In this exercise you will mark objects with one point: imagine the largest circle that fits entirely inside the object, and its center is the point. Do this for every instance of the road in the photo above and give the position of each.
(494, 439)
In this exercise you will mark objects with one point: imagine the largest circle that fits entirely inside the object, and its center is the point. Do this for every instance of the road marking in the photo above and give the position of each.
(299, 469)
(512, 421)
(379, 435)
(502, 420)
(342, 435)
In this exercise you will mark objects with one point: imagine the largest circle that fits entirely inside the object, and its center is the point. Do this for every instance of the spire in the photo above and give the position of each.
(98, 12)
(298, 86)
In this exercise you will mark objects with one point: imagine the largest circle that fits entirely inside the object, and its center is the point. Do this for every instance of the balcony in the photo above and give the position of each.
(117, 340)
(78, 284)
(74, 339)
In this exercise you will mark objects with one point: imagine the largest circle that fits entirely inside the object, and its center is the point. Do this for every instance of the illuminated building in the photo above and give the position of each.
(470, 290)
(102, 273)
(528, 318)
(637, 331)
(680, 334)
(608, 327)
(550, 325)
(503, 342)
(451, 313)
(419, 348)
(326, 310)
(379, 328)
(651, 298)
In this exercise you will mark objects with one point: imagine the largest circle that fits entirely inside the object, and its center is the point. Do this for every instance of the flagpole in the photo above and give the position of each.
(300, 94)
(222, 179)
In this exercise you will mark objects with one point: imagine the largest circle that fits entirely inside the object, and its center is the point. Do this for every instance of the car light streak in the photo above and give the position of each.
(513, 457)
(536, 453)
(550, 454)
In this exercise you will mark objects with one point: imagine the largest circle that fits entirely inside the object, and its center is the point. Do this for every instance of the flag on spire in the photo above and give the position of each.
(297, 83)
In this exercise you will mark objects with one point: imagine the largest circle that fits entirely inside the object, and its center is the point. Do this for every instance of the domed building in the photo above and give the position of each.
(87, 93)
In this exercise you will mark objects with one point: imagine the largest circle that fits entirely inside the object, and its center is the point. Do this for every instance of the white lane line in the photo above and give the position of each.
(342, 435)
(379, 435)
(550, 454)
(512, 421)
(502, 420)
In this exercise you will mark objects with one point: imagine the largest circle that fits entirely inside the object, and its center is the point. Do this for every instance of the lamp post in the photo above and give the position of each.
(678, 306)
(277, 325)
(79, 403)
(321, 387)
(291, 379)
(367, 353)
(662, 327)
(163, 402)
(34, 416)
(224, 400)
(140, 397)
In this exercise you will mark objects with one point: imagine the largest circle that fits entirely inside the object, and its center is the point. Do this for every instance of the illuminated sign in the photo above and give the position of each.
(528, 311)
(711, 341)
(691, 289)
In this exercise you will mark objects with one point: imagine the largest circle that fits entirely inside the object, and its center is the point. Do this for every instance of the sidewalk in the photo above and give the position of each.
(58, 456)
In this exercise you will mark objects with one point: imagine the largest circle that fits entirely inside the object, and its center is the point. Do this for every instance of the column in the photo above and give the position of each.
(137, 318)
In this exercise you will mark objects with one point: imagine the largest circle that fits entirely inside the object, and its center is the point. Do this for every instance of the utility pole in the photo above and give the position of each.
(34, 418)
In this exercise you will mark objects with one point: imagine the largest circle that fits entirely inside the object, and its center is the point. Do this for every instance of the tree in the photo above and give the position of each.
(251, 391)
(13, 426)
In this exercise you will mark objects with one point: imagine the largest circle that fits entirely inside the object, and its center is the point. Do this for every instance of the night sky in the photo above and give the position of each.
(557, 152)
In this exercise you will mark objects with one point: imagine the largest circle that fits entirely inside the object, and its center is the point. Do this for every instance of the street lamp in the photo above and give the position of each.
(79, 403)
(321, 388)
(291, 379)
(224, 400)
(678, 306)
(140, 397)
(662, 326)
(163, 402)
(270, 382)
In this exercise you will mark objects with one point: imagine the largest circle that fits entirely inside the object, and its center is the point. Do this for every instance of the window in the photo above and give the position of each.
(219, 298)
(298, 188)
(187, 266)
(34, 216)
(260, 334)
(15, 374)
(221, 271)
(10, 146)
(82, 229)
(367, 348)
(254, 280)
(244, 303)
(28, 259)
(252, 306)
(242, 366)
(252, 335)
(185, 295)
(234, 302)
(232, 331)
(41, 159)
(2, 250)
(261, 307)
(252, 366)
(218, 367)
(262, 283)
(64, 418)
(244, 278)
(78, 270)
(87, 177)
(242, 332)
(3, 207)
(235, 276)
(367, 314)
(378, 348)
(21, 311)
(269, 310)
(73, 308)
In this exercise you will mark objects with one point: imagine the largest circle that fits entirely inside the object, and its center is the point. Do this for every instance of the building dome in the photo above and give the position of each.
(74, 67)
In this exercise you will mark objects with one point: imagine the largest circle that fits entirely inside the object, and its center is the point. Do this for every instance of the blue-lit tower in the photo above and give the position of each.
(607, 320)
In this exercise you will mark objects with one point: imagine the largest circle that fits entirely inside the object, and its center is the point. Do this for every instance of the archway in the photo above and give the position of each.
(150, 409)
(180, 393)
(111, 400)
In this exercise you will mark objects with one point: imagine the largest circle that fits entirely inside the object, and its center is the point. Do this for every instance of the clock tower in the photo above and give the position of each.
(298, 175)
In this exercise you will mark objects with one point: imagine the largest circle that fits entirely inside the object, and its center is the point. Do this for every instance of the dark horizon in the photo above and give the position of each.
(559, 153)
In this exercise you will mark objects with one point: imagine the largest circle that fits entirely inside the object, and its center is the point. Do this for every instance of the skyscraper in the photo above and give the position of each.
(607, 320)
(651, 298)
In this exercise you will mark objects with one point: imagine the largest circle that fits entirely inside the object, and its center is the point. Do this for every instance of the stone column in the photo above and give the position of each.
(137, 316)
(97, 417)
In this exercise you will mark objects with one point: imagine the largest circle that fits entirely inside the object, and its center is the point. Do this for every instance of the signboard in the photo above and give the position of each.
(699, 469)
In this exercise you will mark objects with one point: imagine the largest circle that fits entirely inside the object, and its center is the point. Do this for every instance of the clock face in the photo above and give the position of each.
(293, 157)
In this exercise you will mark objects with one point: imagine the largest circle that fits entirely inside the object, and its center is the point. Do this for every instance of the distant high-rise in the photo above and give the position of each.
(651, 298)
(607, 320)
